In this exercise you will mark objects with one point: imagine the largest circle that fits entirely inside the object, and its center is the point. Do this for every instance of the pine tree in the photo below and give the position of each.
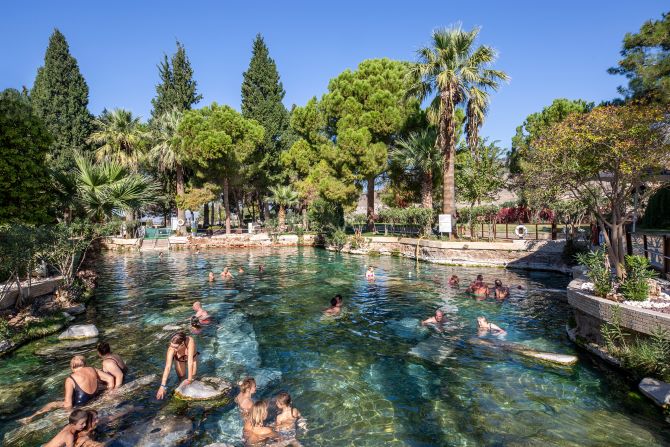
(60, 99)
(178, 89)
(262, 95)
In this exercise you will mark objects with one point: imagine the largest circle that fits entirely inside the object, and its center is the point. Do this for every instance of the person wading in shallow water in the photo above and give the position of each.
(244, 400)
(484, 327)
(436, 320)
(479, 287)
(112, 363)
(183, 352)
(335, 306)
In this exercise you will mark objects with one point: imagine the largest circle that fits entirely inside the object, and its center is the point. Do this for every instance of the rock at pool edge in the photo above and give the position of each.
(205, 388)
(79, 331)
(656, 390)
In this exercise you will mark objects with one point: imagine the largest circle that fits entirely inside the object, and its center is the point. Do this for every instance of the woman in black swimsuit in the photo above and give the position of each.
(183, 351)
(80, 387)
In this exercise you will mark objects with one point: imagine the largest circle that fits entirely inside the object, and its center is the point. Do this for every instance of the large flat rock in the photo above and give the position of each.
(656, 390)
(205, 388)
(162, 431)
(79, 331)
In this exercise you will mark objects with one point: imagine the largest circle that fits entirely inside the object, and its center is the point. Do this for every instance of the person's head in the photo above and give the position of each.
(211, 274)
(92, 419)
(480, 277)
(370, 269)
(439, 315)
(225, 270)
(283, 400)
(454, 277)
(197, 306)
(481, 321)
(498, 283)
(338, 297)
(178, 339)
(78, 361)
(333, 302)
(78, 419)
(259, 412)
(104, 349)
(195, 322)
(248, 385)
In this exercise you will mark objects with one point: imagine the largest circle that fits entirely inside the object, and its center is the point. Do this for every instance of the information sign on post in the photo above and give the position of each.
(444, 221)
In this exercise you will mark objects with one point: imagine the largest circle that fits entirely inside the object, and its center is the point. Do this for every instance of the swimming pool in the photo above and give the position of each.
(369, 377)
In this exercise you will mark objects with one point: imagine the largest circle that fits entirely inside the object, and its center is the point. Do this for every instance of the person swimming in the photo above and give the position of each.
(211, 277)
(500, 292)
(335, 306)
(453, 281)
(225, 274)
(261, 269)
(243, 399)
(81, 387)
(67, 437)
(240, 270)
(370, 274)
(112, 363)
(484, 327)
(201, 314)
(288, 416)
(478, 286)
(437, 319)
(255, 431)
(183, 351)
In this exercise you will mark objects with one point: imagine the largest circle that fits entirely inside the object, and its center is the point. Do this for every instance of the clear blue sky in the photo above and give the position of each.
(550, 49)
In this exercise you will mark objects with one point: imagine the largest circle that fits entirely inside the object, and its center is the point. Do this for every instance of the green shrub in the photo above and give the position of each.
(337, 239)
(325, 216)
(598, 271)
(638, 273)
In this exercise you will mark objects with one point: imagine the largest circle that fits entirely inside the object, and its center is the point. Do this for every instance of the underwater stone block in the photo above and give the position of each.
(79, 331)
(205, 388)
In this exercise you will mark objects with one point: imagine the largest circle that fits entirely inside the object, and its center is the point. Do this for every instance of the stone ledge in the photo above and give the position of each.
(644, 321)
(37, 288)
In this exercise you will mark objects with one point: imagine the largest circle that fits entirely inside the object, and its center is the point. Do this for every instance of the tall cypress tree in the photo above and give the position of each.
(262, 95)
(60, 99)
(177, 89)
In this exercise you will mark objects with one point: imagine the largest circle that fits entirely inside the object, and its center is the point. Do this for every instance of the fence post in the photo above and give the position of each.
(645, 247)
(553, 230)
(629, 244)
(536, 236)
(506, 236)
(495, 230)
(482, 230)
(666, 255)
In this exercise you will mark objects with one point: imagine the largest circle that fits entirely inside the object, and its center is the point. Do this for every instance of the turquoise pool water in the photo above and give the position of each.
(371, 377)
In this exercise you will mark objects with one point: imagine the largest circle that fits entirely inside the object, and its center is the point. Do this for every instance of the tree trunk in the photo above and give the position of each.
(211, 220)
(371, 203)
(305, 221)
(205, 221)
(447, 144)
(226, 204)
(427, 196)
(266, 209)
(281, 217)
(181, 215)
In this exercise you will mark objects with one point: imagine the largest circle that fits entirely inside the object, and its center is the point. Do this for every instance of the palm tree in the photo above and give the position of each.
(448, 69)
(119, 135)
(478, 103)
(164, 152)
(283, 196)
(105, 187)
(417, 153)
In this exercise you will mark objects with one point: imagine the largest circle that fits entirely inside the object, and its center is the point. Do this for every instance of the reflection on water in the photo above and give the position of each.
(370, 376)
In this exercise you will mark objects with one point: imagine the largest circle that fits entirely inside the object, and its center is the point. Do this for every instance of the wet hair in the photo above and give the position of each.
(91, 415)
(338, 297)
(333, 301)
(454, 276)
(480, 277)
(103, 348)
(178, 338)
(195, 321)
(259, 412)
(284, 398)
(498, 282)
(78, 415)
(247, 383)
(77, 361)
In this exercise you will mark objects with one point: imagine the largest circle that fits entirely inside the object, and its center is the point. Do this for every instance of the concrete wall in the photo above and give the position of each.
(37, 288)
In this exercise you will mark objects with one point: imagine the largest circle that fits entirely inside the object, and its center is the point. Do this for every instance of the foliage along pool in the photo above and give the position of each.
(371, 376)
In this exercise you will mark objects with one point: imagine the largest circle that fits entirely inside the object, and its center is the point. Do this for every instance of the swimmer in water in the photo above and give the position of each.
(370, 274)
(261, 269)
(255, 430)
(68, 435)
(335, 306)
(500, 292)
(225, 274)
(244, 400)
(453, 281)
(201, 314)
(479, 287)
(240, 270)
(287, 419)
(437, 319)
(211, 277)
(484, 327)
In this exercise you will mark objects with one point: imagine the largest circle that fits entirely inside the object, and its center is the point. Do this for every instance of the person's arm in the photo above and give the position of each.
(191, 356)
(497, 328)
(115, 371)
(69, 390)
(69, 439)
(106, 377)
(166, 373)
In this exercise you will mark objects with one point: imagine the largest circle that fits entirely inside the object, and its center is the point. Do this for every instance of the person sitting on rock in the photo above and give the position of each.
(500, 292)
(453, 281)
(182, 350)
(68, 435)
(244, 400)
(287, 419)
(370, 274)
(112, 363)
(484, 327)
(255, 431)
(84, 438)
(479, 287)
(225, 274)
(80, 387)
(201, 314)
(437, 320)
(335, 306)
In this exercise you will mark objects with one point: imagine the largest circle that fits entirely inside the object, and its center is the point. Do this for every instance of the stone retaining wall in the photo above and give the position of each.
(37, 288)
(522, 254)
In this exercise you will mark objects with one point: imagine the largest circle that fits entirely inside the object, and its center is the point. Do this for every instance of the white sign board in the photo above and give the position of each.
(251, 227)
(444, 221)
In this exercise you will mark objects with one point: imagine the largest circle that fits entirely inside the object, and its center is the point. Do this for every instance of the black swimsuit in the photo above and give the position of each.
(124, 370)
(79, 396)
